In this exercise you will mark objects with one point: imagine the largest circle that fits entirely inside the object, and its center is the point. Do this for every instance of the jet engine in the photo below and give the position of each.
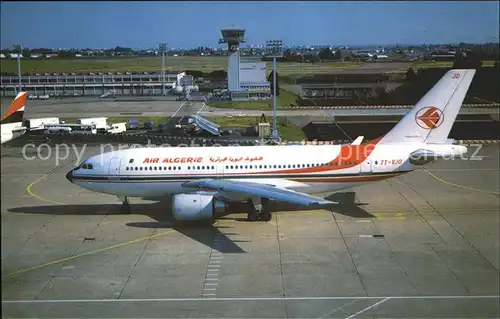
(196, 207)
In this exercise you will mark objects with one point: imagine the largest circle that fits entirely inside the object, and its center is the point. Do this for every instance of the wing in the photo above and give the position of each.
(258, 190)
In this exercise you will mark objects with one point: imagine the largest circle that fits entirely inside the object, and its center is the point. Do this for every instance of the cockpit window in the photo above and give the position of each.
(87, 166)
(131, 161)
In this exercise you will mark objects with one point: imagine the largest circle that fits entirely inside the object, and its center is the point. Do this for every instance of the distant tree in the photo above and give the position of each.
(338, 55)
(42, 51)
(195, 73)
(65, 54)
(312, 58)
(326, 54)
(123, 50)
(26, 53)
(219, 74)
(467, 60)
(270, 79)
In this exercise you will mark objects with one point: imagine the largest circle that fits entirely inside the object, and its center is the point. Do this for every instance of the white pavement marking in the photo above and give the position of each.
(202, 107)
(246, 299)
(338, 309)
(368, 308)
(180, 107)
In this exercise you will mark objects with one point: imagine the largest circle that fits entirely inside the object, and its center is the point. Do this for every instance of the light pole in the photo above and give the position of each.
(274, 50)
(163, 50)
(19, 51)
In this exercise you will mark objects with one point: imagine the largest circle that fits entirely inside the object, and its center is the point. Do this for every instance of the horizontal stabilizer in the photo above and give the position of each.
(358, 140)
(440, 151)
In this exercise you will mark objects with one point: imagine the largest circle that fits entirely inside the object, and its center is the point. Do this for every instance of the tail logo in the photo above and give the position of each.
(429, 117)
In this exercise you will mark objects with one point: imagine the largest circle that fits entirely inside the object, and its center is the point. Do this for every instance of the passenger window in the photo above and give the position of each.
(260, 166)
(140, 168)
(155, 168)
(137, 168)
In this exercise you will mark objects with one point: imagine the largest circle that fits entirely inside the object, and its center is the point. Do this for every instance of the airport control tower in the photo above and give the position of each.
(233, 37)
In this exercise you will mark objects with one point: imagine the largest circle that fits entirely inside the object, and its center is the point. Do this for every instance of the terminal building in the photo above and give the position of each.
(246, 80)
(100, 84)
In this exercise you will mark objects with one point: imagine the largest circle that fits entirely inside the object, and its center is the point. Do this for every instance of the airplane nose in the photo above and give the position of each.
(69, 176)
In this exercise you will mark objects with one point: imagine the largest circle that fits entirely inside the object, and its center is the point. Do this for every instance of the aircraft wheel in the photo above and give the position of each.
(252, 216)
(266, 216)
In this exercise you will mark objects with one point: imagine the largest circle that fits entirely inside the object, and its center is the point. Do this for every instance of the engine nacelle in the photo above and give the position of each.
(196, 207)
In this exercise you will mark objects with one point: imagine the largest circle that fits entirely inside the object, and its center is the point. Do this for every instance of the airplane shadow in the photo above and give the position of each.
(202, 232)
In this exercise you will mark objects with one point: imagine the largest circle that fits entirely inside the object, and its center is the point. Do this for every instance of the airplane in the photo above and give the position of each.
(12, 121)
(204, 180)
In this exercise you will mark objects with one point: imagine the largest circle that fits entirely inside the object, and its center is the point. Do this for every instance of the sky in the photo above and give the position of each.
(185, 24)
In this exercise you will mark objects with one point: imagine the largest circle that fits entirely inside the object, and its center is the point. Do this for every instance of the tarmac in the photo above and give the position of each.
(425, 245)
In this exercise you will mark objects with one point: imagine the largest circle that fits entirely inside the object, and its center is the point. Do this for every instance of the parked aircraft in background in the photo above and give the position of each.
(12, 121)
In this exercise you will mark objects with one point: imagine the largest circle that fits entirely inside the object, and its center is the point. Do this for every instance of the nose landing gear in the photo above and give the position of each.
(125, 208)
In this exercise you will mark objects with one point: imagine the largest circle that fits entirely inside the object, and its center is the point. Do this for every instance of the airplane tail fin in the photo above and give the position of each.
(15, 112)
(431, 119)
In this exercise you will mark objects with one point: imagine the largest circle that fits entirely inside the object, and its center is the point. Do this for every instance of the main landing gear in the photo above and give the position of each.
(259, 210)
(126, 205)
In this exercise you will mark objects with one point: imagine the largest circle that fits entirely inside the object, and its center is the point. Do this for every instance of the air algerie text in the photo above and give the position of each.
(217, 159)
(157, 160)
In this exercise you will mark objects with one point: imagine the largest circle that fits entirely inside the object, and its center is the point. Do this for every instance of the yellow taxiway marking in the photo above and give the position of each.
(459, 186)
(90, 253)
(389, 216)
(28, 189)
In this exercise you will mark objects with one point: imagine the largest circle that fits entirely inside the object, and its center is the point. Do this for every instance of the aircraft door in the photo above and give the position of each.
(219, 170)
(114, 166)
(366, 166)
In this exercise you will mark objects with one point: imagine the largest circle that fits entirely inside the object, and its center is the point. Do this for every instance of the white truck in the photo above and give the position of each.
(99, 122)
(116, 128)
(38, 123)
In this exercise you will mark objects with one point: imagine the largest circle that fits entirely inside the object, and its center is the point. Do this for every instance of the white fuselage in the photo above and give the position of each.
(11, 131)
(311, 169)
